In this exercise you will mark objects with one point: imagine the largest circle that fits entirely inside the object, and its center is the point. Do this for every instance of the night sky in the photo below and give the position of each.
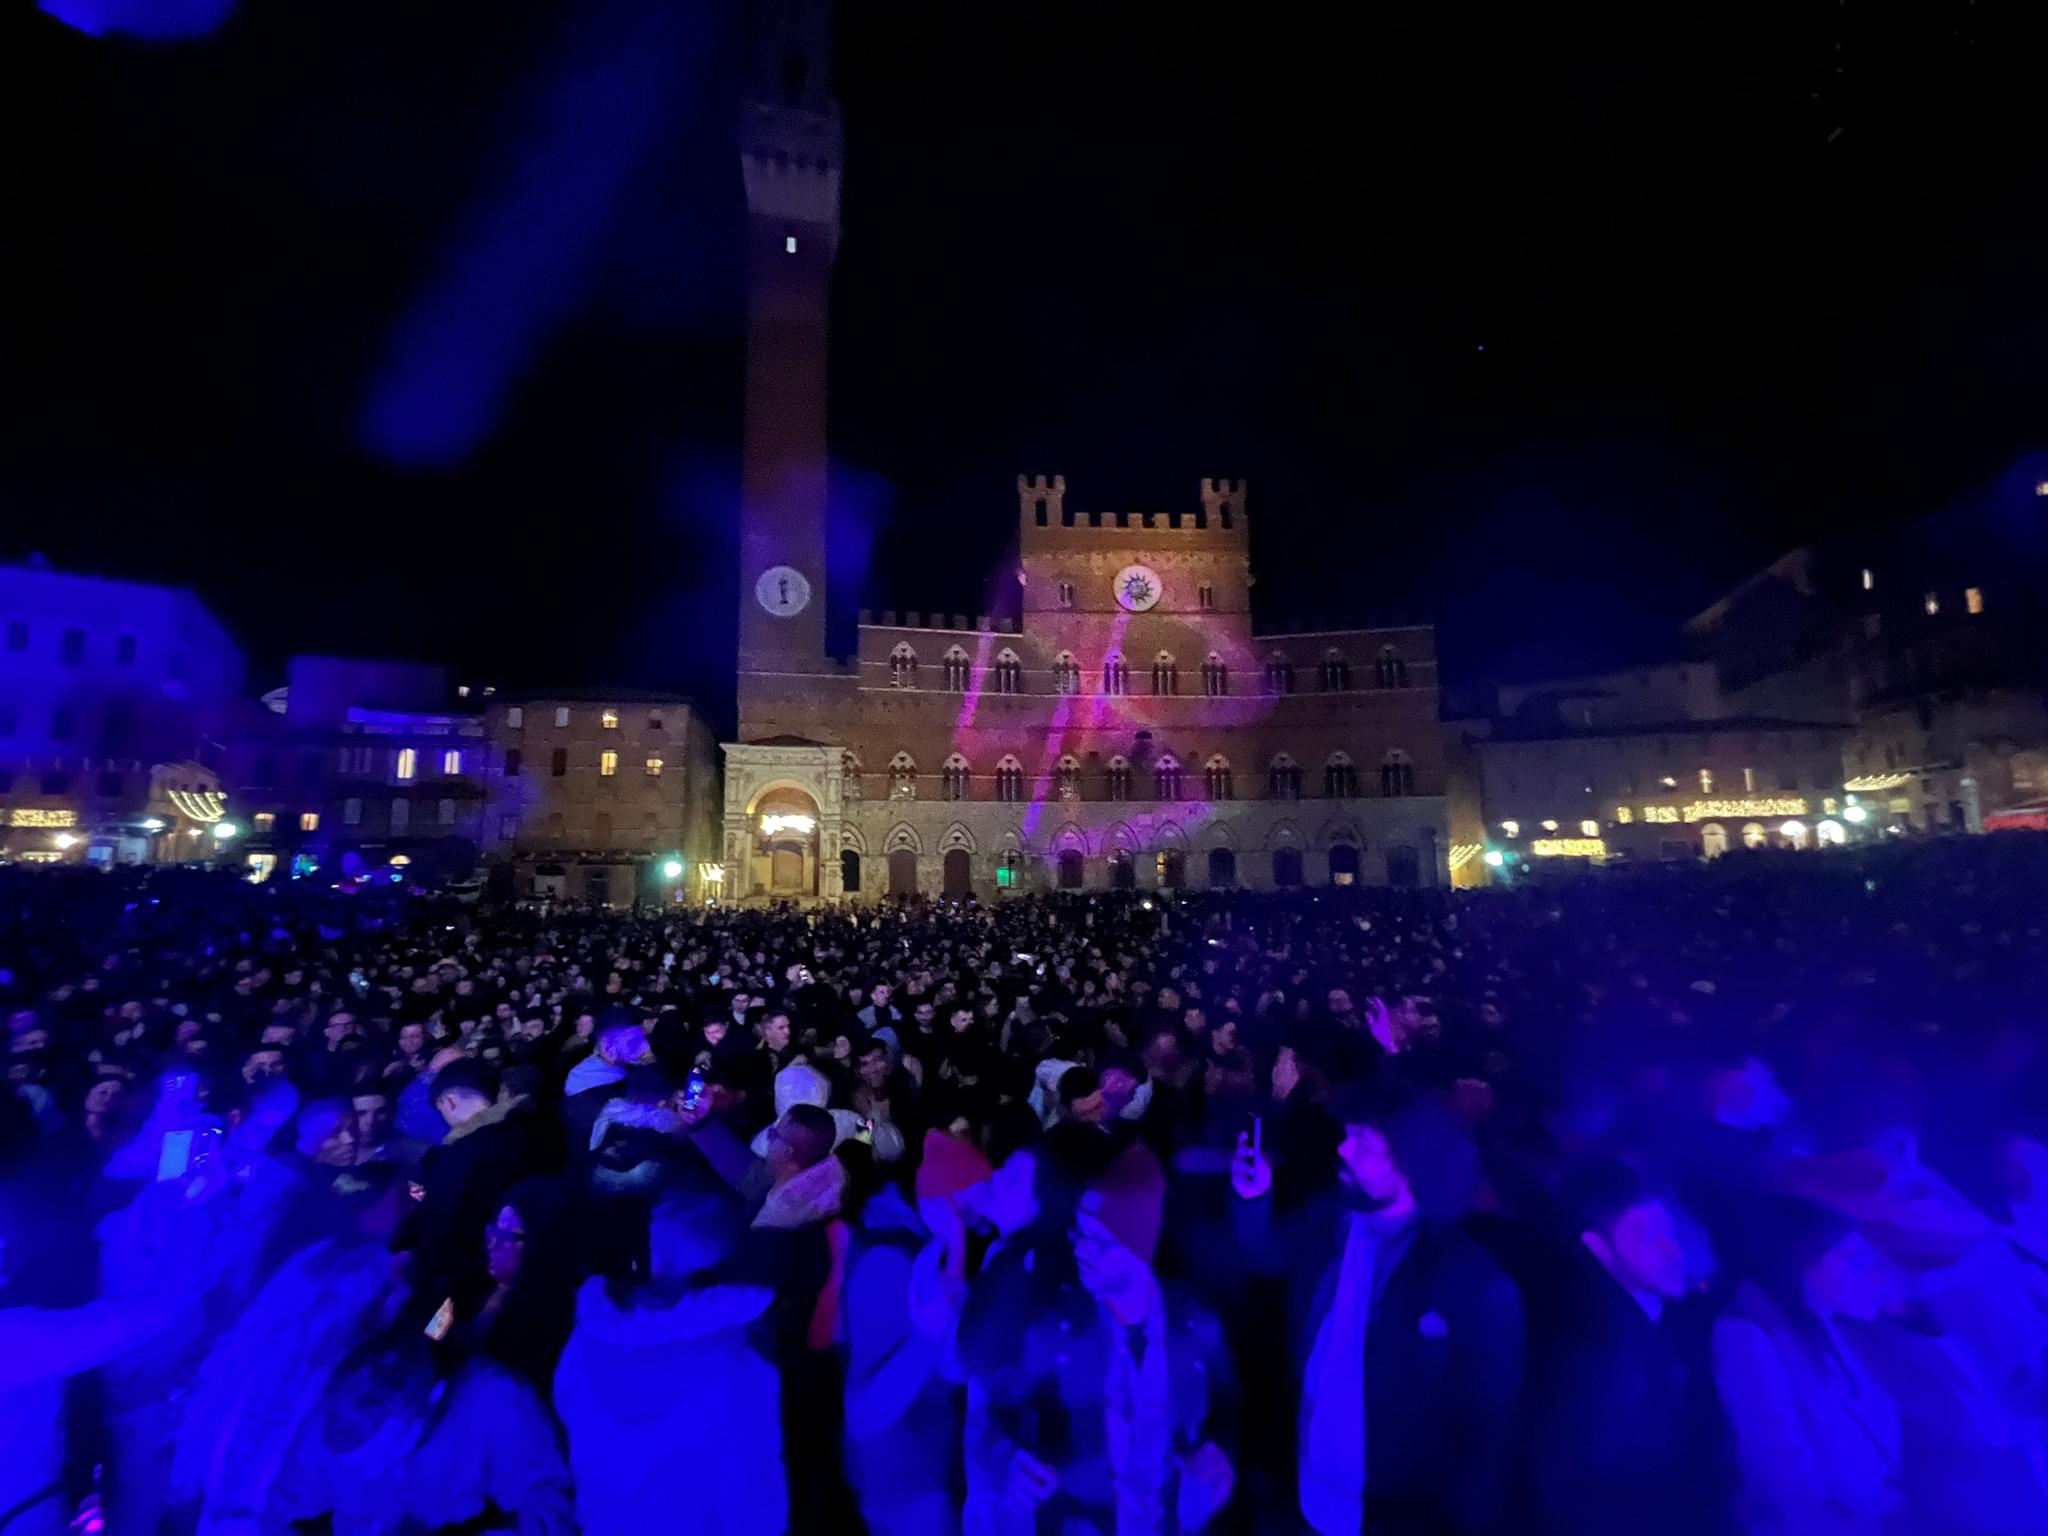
(413, 329)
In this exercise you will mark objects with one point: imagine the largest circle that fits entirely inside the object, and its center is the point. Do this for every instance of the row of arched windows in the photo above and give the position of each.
(1170, 779)
(1006, 672)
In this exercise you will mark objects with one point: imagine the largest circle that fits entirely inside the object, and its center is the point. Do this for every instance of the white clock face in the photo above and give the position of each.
(783, 591)
(1137, 588)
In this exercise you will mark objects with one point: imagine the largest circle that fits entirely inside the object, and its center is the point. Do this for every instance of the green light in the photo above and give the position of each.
(672, 869)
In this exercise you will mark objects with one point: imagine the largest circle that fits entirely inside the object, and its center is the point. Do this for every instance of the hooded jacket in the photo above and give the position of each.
(640, 1384)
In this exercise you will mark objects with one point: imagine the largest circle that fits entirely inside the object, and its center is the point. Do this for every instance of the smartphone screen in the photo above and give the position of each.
(175, 1160)
(693, 1092)
(442, 1320)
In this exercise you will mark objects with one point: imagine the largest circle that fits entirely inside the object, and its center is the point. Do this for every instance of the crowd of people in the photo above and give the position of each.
(1702, 1200)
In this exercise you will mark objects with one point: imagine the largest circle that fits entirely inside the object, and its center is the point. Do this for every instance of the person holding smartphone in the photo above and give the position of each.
(1407, 1337)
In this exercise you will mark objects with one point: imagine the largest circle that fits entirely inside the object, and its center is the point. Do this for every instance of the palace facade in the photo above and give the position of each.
(1129, 728)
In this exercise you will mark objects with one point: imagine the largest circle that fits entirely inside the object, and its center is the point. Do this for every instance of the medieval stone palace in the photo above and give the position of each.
(1130, 728)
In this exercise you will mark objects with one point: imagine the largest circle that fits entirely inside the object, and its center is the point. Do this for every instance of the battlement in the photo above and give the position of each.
(951, 623)
(1041, 502)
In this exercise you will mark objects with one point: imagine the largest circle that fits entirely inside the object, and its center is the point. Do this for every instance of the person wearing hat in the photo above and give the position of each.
(1408, 1337)
(654, 1371)
(906, 1275)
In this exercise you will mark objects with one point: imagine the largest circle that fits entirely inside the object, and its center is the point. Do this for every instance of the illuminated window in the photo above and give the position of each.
(408, 762)
(1340, 777)
(451, 761)
(1166, 778)
(1511, 828)
(1009, 673)
(562, 716)
(1066, 673)
(1335, 672)
(1749, 781)
(1068, 785)
(1216, 779)
(956, 670)
(1706, 781)
(789, 244)
(902, 777)
(1973, 599)
(1624, 815)
(953, 777)
(1116, 676)
(654, 767)
(309, 821)
(1165, 674)
(462, 691)
(1009, 780)
(1932, 603)
(515, 719)
(1869, 578)
(903, 666)
(1215, 677)
(607, 764)
(1754, 836)
(1589, 828)
(609, 719)
(265, 820)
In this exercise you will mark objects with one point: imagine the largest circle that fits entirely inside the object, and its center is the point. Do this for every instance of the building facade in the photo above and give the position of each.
(113, 698)
(1649, 763)
(1130, 728)
(1927, 639)
(356, 766)
(603, 798)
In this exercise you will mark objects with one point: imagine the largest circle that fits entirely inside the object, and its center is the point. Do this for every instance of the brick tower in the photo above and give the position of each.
(789, 144)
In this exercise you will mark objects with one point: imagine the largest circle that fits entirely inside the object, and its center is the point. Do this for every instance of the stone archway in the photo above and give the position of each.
(784, 822)
(958, 867)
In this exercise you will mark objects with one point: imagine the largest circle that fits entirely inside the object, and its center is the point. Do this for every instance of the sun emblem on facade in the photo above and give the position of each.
(1137, 588)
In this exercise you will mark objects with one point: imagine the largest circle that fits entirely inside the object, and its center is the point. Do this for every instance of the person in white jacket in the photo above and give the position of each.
(666, 1380)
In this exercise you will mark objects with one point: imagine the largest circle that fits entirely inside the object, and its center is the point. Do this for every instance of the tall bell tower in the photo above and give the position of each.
(790, 146)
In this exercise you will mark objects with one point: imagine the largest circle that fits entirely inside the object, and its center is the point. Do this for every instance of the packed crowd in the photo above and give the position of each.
(1700, 1201)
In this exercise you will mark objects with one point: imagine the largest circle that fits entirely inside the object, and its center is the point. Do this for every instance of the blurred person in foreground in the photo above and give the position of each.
(670, 1365)
(1408, 1337)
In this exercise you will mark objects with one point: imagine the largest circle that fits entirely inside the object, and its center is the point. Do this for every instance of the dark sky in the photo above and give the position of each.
(413, 329)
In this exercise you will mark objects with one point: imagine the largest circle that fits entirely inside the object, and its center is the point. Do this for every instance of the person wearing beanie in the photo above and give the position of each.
(906, 1275)
(1408, 1338)
(669, 1366)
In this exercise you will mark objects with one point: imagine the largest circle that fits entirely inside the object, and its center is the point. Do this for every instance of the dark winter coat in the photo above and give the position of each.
(1443, 1362)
